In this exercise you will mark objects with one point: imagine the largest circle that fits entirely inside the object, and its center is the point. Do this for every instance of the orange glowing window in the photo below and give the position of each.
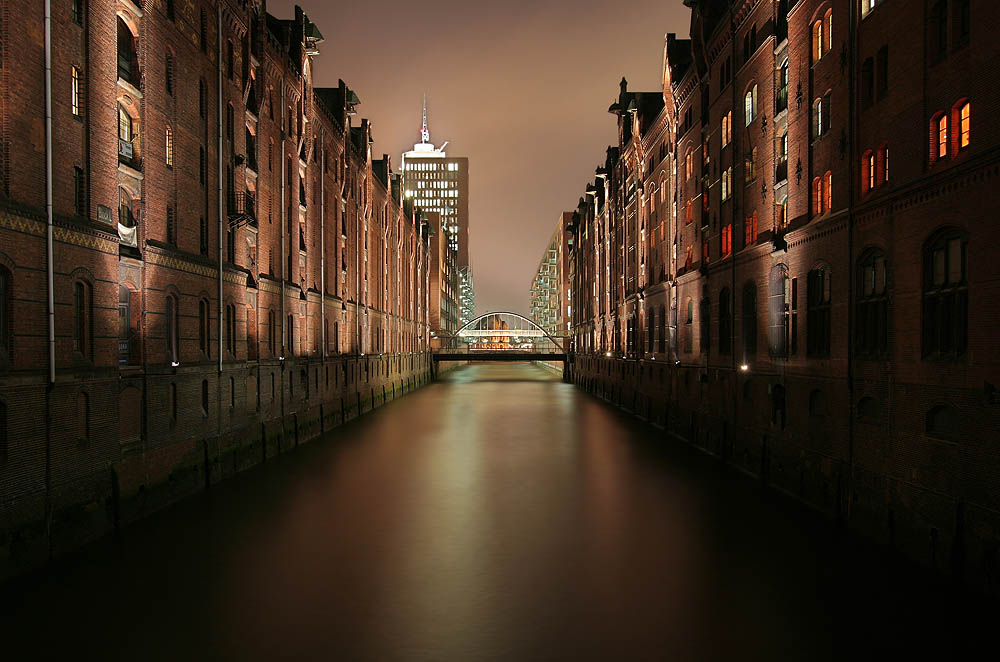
(868, 169)
(817, 43)
(817, 196)
(750, 230)
(727, 240)
(964, 124)
(942, 137)
(828, 191)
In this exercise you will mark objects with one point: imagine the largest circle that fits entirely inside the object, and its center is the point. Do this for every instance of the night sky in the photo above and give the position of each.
(520, 87)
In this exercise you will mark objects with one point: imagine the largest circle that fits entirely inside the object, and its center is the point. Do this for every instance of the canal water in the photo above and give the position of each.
(498, 514)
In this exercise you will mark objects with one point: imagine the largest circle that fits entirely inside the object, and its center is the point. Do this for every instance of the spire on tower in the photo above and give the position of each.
(425, 134)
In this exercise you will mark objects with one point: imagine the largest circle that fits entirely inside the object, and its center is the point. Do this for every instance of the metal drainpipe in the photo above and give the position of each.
(322, 246)
(282, 166)
(222, 211)
(50, 276)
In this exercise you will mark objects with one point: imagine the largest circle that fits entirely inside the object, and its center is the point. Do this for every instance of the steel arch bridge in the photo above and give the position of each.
(501, 336)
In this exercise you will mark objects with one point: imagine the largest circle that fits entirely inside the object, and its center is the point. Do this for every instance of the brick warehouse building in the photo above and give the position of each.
(232, 271)
(754, 273)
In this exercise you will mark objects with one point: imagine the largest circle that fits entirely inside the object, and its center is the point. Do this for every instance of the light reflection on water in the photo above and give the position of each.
(497, 515)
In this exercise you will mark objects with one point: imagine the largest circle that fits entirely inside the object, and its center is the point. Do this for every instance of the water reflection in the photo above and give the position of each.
(497, 515)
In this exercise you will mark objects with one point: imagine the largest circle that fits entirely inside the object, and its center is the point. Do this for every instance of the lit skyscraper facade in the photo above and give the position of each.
(438, 183)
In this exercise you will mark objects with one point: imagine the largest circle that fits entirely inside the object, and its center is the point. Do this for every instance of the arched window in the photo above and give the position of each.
(173, 344)
(83, 318)
(231, 329)
(270, 332)
(818, 314)
(828, 192)
(782, 213)
(946, 296)
(688, 164)
(882, 165)
(818, 43)
(942, 422)
(779, 309)
(750, 105)
(867, 171)
(204, 328)
(749, 320)
(939, 136)
(169, 135)
(168, 74)
(872, 313)
(124, 325)
(750, 230)
(817, 195)
(128, 60)
(963, 120)
(725, 322)
(6, 313)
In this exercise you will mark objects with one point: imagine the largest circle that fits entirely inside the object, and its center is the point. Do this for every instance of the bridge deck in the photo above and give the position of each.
(498, 356)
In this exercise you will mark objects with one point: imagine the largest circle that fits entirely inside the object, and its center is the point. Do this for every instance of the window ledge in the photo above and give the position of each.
(129, 88)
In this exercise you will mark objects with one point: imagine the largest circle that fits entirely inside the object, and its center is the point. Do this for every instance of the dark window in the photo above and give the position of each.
(82, 318)
(204, 328)
(128, 60)
(781, 97)
(270, 333)
(749, 320)
(869, 410)
(202, 100)
(291, 335)
(872, 317)
(725, 322)
(231, 328)
(170, 10)
(818, 313)
(868, 83)
(883, 72)
(6, 310)
(946, 296)
(204, 397)
(77, 12)
(938, 30)
(778, 407)
(203, 235)
(79, 192)
(779, 311)
(942, 422)
(203, 33)
(688, 324)
(173, 344)
(963, 21)
(171, 226)
(169, 73)
(202, 166)
(663, 329)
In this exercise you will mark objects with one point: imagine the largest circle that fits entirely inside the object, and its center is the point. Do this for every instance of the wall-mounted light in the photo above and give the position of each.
(175, 364)
(744, 368)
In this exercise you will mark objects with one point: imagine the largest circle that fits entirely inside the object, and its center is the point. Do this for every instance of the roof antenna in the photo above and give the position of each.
(425, 134)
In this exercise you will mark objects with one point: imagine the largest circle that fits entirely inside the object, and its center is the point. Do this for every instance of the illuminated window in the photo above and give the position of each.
(750, 105)
(964, 125)
(170, 146)
(727, 128)
(750, 230)
(867, 171)
(828, 191)
(942, 136)
(750, 167)
(76, 92)
(882, 165)
(828, 29)
(817, 118)
(817, 195)
(817, 41)
(727, 240)
(867, 6)
(946, 296)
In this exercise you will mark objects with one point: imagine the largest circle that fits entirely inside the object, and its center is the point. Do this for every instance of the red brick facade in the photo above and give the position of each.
(808, 295)
(233, 271)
